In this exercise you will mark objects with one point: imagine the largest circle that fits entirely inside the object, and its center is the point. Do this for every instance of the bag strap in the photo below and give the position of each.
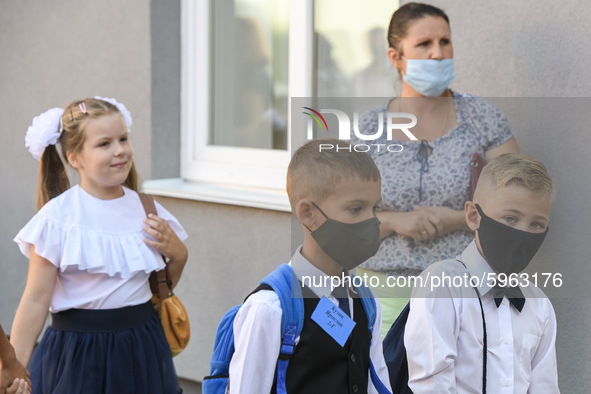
(285, 284)
(485, 346)
(369, 305)
(380, 387)
(159, 282)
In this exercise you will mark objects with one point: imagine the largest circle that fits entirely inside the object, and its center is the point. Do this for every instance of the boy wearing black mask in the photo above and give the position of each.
(333, 192)
(496, 332)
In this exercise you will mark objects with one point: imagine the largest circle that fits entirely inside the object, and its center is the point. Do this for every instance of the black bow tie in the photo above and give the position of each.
(513, 294)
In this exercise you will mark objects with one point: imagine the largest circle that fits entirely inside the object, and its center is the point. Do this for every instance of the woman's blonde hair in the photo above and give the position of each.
(53, 178)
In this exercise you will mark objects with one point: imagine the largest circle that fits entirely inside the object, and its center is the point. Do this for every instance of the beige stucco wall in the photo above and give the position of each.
(526, 48)
(230, 250)
(52, 53)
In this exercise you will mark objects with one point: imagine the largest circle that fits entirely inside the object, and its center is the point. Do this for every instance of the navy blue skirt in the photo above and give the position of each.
(104, 351)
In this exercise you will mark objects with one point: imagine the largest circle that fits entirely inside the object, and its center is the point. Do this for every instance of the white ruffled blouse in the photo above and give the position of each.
(98, 247)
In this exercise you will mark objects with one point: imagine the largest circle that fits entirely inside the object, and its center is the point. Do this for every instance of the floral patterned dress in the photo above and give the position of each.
(445, 180)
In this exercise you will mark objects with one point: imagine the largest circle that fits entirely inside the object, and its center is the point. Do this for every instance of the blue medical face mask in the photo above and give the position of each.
(429, 77)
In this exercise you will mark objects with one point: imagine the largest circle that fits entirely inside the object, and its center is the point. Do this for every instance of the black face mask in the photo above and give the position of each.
(506, 249)
(348, 244)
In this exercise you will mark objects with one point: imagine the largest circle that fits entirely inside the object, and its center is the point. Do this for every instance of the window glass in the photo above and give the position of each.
(351, 49)
(249, 65)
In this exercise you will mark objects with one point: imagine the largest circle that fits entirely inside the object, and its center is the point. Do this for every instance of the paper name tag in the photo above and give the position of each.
(333, 320)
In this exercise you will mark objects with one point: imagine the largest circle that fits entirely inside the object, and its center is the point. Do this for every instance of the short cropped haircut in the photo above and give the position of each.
(520, 170)
(314, 172)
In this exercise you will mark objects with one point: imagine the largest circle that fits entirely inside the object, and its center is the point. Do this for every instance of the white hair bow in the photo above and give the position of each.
(44, 131)
(47, 127)
(121, 108)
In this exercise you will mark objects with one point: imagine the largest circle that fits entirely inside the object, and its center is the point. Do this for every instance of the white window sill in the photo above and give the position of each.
(275, 200)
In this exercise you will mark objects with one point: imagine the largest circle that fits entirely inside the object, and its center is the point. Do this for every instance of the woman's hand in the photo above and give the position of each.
(167, 243)
(444, 219)
(422, 224)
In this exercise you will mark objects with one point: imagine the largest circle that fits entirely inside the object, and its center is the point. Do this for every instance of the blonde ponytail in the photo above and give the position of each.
(53, 179)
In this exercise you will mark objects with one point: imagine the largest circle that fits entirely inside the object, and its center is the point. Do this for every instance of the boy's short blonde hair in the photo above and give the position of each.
(318, 166)
(521, 170)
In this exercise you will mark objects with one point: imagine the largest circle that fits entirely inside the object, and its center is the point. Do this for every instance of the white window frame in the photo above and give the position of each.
(234, 166)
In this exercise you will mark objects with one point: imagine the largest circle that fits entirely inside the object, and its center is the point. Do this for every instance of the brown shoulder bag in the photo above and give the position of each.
(169, 307)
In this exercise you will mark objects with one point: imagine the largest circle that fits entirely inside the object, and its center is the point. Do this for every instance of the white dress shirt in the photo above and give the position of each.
(257, 335)
(444, 336)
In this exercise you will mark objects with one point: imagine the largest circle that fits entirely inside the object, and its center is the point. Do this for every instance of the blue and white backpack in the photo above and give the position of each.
(292, 320)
